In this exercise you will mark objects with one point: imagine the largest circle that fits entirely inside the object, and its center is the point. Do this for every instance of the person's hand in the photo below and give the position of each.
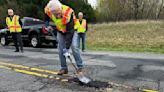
(66, 52)
(50, 28)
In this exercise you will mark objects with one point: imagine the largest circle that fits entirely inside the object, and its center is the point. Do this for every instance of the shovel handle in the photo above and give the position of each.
(72, 63)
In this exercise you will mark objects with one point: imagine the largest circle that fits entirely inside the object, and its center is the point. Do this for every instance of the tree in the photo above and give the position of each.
(35, 8)
(118, 10)
(81, 6)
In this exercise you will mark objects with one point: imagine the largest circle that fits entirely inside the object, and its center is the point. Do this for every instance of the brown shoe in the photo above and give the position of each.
(63, 71)
(80, 71)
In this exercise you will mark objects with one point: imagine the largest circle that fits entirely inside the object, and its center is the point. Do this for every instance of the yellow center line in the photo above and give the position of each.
(146, 90)
(4, 67)
(8, 65)
(29, 68)
(130, 87)
(16, 65)
(33, 73)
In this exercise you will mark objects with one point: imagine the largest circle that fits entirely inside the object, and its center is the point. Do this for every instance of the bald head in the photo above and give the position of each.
(10, 12)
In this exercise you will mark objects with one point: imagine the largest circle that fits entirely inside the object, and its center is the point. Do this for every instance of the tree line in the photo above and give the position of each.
(120, 10)
(106, 11)
(35, 8)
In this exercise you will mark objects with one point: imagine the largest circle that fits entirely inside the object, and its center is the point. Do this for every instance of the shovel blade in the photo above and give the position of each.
(84, 79)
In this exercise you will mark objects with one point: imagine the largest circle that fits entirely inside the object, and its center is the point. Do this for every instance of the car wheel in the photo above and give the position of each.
(26, 43)
(3, 41)
(35, 41)
(55, 44)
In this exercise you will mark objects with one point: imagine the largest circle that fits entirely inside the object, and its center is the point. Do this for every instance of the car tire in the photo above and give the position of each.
(55, 44)
(26, 43)
(4, 40)
(34, 41)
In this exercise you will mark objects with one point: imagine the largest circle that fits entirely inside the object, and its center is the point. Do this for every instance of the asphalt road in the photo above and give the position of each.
(143, 70)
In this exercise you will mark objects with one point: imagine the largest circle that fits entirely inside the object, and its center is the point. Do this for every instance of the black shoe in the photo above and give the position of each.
(22, 51)
(63, 71)
(80, 71)
(16, 51)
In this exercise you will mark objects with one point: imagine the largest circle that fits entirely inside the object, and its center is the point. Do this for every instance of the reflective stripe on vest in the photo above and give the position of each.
(61, 22)
(82, 26)
(75, 22)
(13, 25)
(66, 15)
(47, 11)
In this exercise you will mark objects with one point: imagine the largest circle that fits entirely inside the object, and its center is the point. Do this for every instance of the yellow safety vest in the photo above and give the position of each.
(61, 22)
(13, 25)
(81, 27)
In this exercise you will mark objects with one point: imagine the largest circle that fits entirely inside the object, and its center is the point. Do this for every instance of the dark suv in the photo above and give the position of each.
(33, 33)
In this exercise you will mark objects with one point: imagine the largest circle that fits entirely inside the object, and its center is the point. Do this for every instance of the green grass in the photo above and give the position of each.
(135, 36)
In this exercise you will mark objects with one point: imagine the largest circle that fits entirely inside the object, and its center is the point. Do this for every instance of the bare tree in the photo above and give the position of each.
(160, 9)
(116, 10)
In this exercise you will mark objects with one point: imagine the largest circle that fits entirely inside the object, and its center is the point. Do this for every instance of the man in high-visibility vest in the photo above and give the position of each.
(64, 19)
(82, 29)
(14, 25)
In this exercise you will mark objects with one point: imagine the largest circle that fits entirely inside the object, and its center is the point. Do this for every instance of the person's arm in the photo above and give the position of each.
(46, 19)
(69, 33)
(86, 26)
(6, 26)
(20, 22)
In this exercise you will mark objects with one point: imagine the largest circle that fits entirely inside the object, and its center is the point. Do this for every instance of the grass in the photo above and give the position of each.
(135, 36)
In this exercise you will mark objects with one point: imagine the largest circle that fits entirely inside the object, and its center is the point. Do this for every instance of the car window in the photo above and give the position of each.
(31, 22)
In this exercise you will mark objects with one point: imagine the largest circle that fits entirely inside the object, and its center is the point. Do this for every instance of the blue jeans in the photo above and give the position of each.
(81, 36)
(75, 50)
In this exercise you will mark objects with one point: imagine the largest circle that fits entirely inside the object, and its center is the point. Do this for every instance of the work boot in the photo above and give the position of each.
(63, 71)
(16, 51)
(22, 51)
(80, 71)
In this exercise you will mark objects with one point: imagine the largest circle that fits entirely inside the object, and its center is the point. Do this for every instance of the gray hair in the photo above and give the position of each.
(54, 5)
(80, 13)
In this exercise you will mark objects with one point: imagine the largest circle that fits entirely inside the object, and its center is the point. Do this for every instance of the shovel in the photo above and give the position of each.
(81, 77)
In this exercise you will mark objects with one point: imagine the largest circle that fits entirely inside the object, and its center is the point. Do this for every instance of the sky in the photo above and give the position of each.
(93, 2)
